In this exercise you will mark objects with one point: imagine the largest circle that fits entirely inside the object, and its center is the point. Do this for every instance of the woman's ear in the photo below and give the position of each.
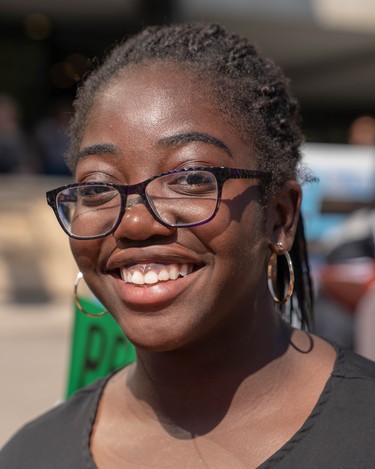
(283, 214)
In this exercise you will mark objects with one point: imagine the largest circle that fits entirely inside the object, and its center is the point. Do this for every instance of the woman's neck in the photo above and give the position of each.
(194, 387)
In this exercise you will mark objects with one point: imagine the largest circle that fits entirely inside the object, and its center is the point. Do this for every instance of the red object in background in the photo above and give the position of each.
(347, 282)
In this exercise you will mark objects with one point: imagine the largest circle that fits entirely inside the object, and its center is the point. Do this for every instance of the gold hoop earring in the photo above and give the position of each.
(77, 302)
(271, 262)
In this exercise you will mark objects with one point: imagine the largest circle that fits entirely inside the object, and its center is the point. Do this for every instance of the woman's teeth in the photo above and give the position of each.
(150, 274)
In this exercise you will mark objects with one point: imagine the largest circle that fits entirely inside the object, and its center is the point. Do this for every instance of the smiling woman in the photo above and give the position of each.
(185, 149)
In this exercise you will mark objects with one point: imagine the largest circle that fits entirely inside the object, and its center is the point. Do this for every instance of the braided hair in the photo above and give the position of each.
(248, 88)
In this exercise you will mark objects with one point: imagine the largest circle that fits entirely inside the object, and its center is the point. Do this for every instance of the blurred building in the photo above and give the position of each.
(46, 47)
(327, 47)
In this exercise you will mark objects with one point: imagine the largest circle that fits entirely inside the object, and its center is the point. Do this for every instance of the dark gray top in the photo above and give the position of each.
(339, 433)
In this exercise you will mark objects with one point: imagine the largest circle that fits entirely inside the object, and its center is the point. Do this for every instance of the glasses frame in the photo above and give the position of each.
(221, 174)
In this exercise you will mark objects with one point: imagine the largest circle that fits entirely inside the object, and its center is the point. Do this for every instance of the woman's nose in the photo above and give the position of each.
(138, 223)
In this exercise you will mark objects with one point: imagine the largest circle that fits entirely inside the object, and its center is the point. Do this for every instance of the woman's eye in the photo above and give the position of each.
(88, 191)
(193, 182)
(194, 178)
(96, 195)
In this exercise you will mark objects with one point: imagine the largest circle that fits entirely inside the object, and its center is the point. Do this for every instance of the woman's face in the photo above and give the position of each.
(151, 119)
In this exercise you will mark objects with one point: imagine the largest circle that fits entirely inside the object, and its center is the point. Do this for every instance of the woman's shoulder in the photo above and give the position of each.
(353, 381)
(345, 415)
(58, 438)
(355, 366)
(339, 432)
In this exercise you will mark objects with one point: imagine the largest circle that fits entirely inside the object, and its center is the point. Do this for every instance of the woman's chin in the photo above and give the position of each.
(164, 332)
(155, 344)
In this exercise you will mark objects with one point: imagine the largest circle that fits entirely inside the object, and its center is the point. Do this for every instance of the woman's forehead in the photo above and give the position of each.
(166, 78)
(156, 95)
(145, 98)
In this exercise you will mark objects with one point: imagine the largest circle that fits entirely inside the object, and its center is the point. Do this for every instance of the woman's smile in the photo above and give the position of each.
(139, 294)
(153, 276)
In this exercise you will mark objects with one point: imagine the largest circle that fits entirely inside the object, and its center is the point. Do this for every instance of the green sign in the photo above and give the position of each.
(98, 347)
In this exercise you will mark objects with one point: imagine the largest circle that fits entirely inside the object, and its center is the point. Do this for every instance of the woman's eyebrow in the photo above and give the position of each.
(188, 137)
(100, 148)
(175, 139)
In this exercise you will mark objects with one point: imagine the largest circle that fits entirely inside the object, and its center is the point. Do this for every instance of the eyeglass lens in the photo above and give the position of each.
(178, 199)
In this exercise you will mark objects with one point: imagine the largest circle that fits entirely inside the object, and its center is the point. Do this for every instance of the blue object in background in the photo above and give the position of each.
(346, 173)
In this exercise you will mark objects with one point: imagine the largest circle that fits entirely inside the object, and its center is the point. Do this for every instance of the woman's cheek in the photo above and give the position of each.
(235, 226)
(86, 253)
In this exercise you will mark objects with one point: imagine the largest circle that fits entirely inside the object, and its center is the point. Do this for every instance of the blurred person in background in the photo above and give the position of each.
(362, 131)
(51, 138)
(13, 146)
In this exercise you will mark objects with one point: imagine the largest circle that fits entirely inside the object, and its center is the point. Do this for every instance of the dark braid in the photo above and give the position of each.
(250, 90)
(303, 282)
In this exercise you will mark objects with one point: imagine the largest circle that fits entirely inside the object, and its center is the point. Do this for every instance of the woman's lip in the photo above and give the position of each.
(152, 255)
(153, 296)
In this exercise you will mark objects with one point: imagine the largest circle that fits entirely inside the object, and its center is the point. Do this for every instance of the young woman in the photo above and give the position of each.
(185, 149)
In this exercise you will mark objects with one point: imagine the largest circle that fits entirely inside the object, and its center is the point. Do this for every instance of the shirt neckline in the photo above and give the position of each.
(86, 437)
(338, 371)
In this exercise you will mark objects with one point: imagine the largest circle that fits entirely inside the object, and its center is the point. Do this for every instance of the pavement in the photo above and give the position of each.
(34, 357)
(37, 273)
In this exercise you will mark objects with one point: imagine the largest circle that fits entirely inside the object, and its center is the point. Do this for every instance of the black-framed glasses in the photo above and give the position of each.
(179, 198)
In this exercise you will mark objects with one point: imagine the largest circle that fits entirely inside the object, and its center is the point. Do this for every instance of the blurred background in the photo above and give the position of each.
(326, 47)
